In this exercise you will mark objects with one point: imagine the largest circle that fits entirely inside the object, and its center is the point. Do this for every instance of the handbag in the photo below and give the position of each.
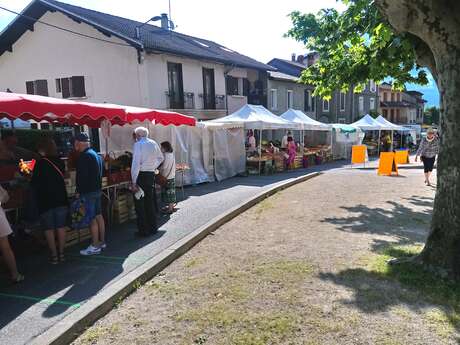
(81, 213)
(161, 180)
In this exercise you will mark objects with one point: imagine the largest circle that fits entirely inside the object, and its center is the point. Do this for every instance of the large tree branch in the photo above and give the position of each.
(424, 55)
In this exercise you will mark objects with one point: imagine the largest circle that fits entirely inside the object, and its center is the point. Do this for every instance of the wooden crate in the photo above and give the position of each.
(76, 236)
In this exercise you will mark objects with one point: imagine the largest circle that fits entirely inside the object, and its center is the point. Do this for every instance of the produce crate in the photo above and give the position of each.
(76, 236)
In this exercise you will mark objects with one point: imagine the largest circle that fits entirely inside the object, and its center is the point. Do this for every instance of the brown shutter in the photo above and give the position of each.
(78, 86)
(42, 87)
(65, 87)
(30, 87)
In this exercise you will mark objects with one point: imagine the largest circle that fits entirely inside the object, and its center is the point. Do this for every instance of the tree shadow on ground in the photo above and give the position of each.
(406, 224)
(378, 289)
(396, 289)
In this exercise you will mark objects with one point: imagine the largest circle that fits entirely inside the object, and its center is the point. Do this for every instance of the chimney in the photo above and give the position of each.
(164, 21)
(300, 59)
(293, 57)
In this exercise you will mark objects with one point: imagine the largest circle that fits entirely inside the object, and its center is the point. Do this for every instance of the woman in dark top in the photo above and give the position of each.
(49, 184)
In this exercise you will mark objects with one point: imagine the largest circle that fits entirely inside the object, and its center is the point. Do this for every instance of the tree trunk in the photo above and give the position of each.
(437, 24)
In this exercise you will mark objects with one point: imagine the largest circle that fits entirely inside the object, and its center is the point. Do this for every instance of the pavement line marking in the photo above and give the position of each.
(49, 301)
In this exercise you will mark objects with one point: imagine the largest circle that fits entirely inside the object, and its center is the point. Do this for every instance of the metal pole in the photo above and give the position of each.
(260, 150)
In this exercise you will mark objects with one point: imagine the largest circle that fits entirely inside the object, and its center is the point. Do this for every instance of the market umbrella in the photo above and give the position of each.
(41, 108)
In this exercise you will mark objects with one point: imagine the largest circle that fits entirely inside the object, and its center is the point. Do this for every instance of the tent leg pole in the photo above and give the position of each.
(260, 152)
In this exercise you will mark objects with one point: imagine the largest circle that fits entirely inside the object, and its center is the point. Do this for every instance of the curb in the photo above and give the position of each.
(71, 326)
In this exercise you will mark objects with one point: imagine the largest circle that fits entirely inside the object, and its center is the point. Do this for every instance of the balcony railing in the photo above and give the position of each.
(185, 100)
(218, 104)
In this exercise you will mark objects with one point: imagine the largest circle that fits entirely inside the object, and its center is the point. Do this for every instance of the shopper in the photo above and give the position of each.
(53, 208)
(5, 248)
(168, 171)
(89, 187)
(147, 157)
(284, 140)
(428, 149)
(292, 149)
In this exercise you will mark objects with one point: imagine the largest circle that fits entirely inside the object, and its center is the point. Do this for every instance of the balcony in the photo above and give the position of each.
(185, 100)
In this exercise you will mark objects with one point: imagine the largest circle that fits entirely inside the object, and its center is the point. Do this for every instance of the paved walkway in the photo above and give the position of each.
(52, 292)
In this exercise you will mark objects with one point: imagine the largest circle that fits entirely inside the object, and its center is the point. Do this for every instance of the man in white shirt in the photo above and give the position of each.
(147, 157)
(284, 141)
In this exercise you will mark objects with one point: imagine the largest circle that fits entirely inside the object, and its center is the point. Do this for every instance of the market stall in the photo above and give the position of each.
(343, 139)
(117, 176)
(402, 131)
(256, 120)
(316, 139)
(373, 130)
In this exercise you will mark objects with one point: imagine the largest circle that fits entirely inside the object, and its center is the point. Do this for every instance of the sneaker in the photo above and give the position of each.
(103, 245)
(90, 251)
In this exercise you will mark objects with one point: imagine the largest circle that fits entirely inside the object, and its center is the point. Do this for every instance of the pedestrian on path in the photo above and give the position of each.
(428, 150)
(89, 187)
(53, 207)
(147, 157)
(5, 248)
(168, 171)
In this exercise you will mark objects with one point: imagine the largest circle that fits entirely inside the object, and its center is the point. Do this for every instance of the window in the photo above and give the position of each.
(274, 99)
(72, 87)
(290, 99)
(372, 86)
(58, 86)
(342, 101)
(325, 105)
(372, 103)
(232, 86)
(392, 97)
(209, 91)
(175, 86)
(309, 101)
(385, 96)
(361, 105)
(37, 87)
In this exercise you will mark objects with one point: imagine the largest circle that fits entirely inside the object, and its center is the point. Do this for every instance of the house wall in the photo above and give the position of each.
(111, 71)
(282, 88)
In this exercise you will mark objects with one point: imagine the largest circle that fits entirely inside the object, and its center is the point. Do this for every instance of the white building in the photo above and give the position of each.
(76, 53)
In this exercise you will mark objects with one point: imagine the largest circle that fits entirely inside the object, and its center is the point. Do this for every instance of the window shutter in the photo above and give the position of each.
(30, 87)
(78, 86)
(65, 87)
(245, 87)
(42, 87)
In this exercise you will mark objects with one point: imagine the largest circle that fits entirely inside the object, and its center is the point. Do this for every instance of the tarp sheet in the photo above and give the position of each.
(229, 152)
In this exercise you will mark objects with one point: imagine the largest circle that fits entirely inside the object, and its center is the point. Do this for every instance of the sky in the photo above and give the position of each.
(250, 27)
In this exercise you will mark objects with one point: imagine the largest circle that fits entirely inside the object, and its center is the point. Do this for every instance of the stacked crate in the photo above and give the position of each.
(76, 236)
(130, 204)
(120, 209)
(298, 161)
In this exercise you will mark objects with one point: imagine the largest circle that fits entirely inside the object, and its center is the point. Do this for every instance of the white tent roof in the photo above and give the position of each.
(304, 121)
(383, 121)
(257, 117)
(367, 123)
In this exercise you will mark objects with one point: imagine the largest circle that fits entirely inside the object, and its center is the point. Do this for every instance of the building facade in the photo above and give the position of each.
(117, 60)
(401, 107)
(343, 107)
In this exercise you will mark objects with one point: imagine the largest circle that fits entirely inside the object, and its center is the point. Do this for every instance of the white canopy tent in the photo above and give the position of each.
(385, 122)
(256, 117)
(305, 122)
(368, 123)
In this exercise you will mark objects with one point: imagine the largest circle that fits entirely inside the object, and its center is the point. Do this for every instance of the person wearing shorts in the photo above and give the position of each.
(89, 187)
(53, 207)
(429, 148)
(5, 248)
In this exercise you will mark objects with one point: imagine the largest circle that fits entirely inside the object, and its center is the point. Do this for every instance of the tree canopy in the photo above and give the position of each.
(355, 46)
